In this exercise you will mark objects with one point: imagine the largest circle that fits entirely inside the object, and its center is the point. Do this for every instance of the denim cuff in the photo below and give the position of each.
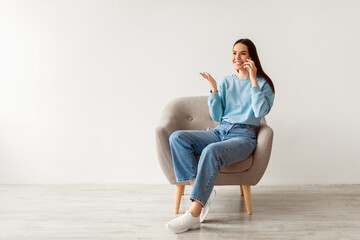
(185, 180)
(193, 198)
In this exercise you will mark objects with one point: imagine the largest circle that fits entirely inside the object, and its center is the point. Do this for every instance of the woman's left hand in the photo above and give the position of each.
(250, 66)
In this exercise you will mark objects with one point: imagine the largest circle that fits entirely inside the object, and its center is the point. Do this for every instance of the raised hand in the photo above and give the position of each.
(211, 80)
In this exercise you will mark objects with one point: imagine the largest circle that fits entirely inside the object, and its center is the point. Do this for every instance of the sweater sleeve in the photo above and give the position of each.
(216, 102)
(262, 100)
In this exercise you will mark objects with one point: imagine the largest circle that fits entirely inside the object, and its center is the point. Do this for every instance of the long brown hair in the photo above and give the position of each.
(254, 56)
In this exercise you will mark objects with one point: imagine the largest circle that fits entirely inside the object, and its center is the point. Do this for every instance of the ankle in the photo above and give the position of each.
(194, 213)
(195, 208)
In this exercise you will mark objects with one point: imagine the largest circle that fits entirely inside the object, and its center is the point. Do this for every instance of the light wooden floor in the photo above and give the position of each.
(140, 212)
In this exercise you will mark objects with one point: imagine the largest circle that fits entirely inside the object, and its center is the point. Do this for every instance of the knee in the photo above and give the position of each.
(175, 136)
(212, 151)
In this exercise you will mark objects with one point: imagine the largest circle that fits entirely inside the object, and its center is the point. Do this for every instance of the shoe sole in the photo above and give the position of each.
(184, 230)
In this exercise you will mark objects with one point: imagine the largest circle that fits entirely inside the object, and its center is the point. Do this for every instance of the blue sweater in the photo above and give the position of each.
(236, 101)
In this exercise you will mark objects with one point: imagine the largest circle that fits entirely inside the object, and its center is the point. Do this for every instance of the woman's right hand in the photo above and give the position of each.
(211, 80)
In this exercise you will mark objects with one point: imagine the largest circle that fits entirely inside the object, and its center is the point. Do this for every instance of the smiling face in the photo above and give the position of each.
(239, 56)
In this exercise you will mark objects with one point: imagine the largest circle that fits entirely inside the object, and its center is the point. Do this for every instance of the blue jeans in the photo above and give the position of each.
(226, 144)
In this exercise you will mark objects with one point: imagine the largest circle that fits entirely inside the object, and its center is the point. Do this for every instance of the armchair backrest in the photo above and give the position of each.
(189, 113)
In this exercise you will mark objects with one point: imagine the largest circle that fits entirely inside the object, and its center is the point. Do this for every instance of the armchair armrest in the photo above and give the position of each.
(162, 134)
(262, 152)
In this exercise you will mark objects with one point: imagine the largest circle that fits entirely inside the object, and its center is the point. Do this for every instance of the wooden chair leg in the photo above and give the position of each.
(247, 194)
(241, 191)
(178, 193)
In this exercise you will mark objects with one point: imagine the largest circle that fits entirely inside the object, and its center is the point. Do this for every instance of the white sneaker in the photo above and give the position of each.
(205, 210)
(183, 223)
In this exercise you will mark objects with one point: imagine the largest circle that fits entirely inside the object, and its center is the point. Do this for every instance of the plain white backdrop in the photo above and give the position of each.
(83, 84)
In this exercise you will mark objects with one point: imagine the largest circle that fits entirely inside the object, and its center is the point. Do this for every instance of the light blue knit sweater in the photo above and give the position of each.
(238, 102)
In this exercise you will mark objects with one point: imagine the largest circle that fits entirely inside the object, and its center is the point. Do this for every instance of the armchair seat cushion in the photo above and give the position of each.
(236, 167)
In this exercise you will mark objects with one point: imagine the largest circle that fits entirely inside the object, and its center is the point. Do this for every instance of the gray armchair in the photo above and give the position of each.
(192, 113)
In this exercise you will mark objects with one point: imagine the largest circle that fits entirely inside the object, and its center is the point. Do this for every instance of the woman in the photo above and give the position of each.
(238, 103)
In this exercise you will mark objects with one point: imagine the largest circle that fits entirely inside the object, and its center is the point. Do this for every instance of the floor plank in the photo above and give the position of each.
(140, 212)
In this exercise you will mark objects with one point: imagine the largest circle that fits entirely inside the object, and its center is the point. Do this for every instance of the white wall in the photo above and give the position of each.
(83, 84)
